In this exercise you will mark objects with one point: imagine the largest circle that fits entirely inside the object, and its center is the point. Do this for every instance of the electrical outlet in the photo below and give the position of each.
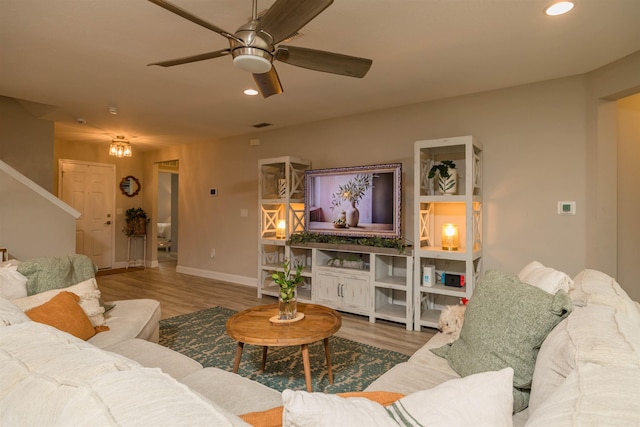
(213, 253)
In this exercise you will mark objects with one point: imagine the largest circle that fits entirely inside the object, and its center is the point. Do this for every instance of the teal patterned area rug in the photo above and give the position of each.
(201, 336)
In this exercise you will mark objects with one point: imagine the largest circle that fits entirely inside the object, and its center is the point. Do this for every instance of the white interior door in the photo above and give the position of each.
(89, 188)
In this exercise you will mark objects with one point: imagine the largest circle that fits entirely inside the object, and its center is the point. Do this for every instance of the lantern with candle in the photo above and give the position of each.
(450, 237)
(281, 229)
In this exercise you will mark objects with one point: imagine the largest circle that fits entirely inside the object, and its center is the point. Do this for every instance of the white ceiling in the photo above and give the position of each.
(80, 57)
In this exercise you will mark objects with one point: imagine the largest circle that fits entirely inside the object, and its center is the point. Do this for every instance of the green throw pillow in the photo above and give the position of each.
(44, 274)
(505, 323)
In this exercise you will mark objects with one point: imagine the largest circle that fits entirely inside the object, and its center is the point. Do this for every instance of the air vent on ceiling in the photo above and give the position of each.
(261, 125)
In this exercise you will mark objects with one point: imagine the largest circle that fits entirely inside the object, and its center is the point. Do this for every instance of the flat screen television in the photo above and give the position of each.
(358, 201)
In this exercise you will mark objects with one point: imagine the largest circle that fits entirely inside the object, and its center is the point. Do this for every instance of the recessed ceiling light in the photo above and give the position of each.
(559, 8)
(251, 92)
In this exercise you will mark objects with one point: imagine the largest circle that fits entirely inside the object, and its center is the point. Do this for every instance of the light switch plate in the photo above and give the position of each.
(566, 208)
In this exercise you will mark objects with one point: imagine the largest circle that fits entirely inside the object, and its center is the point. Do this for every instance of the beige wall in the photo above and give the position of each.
(534, 156)
(33, 223)
(629, 193)
(24, 133)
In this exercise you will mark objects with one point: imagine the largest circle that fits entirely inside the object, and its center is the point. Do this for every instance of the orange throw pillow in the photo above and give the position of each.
(64, 313)
(273, 417)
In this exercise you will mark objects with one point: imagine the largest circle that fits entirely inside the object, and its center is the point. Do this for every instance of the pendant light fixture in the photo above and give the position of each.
(120, 147)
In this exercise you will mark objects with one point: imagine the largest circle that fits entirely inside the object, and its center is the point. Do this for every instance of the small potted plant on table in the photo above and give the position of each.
(287, 303)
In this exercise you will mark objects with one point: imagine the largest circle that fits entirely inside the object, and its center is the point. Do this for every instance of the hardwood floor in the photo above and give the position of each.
(181, 294)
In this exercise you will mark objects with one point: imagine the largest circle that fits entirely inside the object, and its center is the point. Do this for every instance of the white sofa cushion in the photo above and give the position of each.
(135, 318)
(75, 383)
(10, 314)
(89, 300)
(596, 287)
(592, 395)
(480, 400)
(12, 283)
(423, 371)
(255, 397)
(545, 278)
(604, 331)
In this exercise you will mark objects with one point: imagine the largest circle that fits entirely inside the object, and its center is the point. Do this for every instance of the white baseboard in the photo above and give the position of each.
(223, 277)
(125, 264)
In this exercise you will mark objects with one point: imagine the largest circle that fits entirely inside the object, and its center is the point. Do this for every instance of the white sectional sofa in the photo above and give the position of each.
(587, 373)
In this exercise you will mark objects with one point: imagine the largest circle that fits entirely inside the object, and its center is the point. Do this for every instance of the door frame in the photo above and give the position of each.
(61, 162)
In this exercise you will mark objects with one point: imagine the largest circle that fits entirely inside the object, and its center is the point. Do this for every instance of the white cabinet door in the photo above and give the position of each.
(355, 292)
(327, 289)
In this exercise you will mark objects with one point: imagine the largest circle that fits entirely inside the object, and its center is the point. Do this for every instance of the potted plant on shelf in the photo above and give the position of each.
(136, 222)
(447, 176)
(352, 192)
(287, 303)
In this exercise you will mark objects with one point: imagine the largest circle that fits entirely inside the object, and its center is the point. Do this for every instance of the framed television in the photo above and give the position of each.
(356, 201)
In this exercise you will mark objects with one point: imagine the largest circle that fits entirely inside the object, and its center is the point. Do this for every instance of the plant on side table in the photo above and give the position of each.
(136, 222)
(287, 304)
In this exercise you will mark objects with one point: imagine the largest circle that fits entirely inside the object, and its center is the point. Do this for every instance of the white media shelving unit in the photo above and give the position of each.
(432, 211)
(370, 281)
(374, 282)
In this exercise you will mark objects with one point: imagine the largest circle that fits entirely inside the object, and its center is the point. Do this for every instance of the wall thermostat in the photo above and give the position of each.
(566, 208)
(213, 191)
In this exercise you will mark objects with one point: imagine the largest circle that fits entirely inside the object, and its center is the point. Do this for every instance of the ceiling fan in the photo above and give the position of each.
(253, 45)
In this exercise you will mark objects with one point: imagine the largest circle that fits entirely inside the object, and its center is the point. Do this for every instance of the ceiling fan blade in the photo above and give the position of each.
(189, 16)
(268, 83)
(285, 17)
(327, 62)
(194, 58)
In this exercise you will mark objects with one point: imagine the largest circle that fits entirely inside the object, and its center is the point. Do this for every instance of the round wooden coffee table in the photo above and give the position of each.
(252, 326)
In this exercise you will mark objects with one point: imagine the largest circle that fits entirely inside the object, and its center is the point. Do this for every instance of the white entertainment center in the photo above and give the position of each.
(378, 282)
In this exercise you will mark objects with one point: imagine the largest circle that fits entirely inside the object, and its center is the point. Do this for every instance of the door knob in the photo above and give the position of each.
(107, 223)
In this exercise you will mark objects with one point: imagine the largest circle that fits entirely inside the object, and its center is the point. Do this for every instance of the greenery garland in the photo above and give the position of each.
(379, 242)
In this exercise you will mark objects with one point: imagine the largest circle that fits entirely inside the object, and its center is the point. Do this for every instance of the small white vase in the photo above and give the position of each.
(448, 185)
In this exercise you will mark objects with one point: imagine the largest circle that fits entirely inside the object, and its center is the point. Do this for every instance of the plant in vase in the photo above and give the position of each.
(287, 304)
(447, 176)
(352, 192)
(136, 222)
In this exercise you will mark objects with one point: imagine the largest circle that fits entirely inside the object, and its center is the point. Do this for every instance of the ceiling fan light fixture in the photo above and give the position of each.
(120, 147)
(558, 8)
(252, 64)
(252, 60)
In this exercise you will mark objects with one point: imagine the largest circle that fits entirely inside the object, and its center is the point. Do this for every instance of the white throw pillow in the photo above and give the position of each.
(484, 399)
(10, 314)
(545, 278)
(89, 300)
(12, 284)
